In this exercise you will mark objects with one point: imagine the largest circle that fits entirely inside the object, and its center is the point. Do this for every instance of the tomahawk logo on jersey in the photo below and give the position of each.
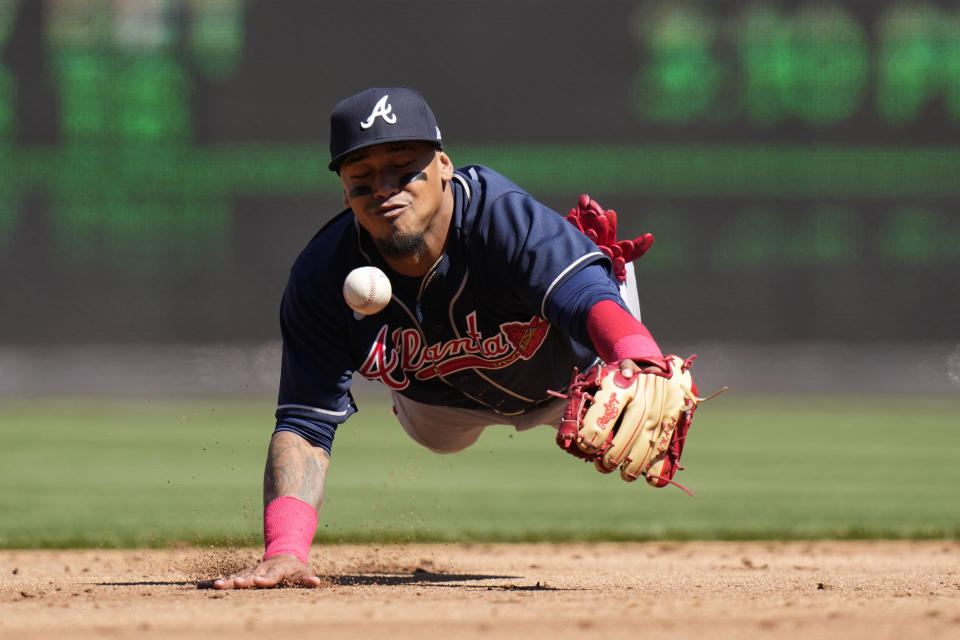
(494, 324)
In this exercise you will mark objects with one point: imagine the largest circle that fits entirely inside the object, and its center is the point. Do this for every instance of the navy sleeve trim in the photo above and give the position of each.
(575, 297)
(326, 412)
(319, 434)
(590, 257)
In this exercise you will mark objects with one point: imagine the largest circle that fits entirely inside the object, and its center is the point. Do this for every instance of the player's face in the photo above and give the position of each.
(398, 192)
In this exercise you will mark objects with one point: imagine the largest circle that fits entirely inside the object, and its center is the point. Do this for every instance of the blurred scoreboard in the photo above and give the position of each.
(163, 161)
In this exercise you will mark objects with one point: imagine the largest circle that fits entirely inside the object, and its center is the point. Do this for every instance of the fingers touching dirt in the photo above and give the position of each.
(285, 569)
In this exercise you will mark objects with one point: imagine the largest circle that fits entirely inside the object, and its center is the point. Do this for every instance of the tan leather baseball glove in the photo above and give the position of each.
(637, 424)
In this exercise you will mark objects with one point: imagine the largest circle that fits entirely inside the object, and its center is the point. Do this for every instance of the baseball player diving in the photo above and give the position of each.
(502, 312)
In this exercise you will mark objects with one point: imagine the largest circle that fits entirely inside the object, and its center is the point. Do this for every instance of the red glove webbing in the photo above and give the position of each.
(288, 527)
(617, 335)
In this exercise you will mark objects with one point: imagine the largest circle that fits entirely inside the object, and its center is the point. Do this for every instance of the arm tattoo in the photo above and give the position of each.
(294, 468)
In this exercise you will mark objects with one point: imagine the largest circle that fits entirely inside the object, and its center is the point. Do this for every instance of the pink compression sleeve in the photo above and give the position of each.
(288, 527)
(617, 335)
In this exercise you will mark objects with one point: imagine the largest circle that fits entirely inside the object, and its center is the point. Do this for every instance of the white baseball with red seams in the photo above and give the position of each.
(367, 290)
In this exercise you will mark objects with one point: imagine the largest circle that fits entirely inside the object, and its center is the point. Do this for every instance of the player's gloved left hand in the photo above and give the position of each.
(636, 423)
(600, 225)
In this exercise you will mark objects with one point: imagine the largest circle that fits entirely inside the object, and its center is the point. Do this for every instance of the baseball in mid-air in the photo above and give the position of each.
(367, 290)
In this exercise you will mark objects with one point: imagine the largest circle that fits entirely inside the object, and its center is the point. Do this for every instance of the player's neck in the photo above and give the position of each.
(414, 266)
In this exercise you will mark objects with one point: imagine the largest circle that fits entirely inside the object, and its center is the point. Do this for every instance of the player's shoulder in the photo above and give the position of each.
(489, 182)
(494, 199)
(332, 248)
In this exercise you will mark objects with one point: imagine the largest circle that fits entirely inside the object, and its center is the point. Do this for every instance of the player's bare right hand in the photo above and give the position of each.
(269, 573)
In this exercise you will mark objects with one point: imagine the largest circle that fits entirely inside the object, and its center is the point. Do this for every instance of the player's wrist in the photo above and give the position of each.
(288, 528)
(617, 335)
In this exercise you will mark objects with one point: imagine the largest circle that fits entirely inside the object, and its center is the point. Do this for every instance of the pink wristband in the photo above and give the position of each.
(617, 335)
(288, 527)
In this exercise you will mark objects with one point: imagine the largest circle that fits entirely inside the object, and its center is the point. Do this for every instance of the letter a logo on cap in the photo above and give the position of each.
(383, 110)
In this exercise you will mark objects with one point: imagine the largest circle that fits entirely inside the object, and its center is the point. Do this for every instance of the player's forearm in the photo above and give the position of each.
(294, 468)
(292, 495)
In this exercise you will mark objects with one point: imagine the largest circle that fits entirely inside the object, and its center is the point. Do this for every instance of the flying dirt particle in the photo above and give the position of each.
(214, 563)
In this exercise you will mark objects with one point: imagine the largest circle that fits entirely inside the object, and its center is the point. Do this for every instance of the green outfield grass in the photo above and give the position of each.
(125, 473)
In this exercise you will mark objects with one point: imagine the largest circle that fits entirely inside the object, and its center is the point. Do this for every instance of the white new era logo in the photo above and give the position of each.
(383, 110)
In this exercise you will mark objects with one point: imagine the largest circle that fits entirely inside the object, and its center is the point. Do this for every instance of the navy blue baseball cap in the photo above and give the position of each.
(380, 115)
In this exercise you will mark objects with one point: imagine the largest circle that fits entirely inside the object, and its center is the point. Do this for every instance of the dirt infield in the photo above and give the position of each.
(851, 590)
